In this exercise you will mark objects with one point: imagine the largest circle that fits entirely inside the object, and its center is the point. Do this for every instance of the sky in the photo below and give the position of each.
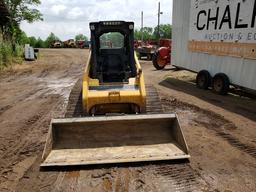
(67, 18)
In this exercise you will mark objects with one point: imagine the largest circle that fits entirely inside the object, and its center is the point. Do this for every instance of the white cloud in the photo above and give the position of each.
(74, 13)
(57, 9)
(66, 18)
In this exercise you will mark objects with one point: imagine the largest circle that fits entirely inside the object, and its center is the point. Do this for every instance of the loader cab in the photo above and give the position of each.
(112, 51)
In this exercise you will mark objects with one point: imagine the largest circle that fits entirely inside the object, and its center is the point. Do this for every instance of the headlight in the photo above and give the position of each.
(92, 27)
(131, 27)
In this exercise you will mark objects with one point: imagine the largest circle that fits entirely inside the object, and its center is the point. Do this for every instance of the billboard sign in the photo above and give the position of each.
(223, 27)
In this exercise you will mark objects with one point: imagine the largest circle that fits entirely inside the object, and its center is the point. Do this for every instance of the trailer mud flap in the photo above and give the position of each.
(116, 139)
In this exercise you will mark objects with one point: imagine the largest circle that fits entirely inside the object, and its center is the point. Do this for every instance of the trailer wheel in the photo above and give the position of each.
(203, 79)
(158, 63)
(221, 83)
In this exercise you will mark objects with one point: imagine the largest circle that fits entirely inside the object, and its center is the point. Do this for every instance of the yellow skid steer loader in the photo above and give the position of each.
(112, 116)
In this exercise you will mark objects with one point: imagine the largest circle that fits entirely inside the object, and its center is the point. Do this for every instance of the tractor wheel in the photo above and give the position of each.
(139, 56)
(149, 57)
(158, 62)
(203, 79)
(221, 83)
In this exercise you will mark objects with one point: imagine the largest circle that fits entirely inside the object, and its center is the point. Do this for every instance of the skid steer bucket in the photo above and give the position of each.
(116, 139)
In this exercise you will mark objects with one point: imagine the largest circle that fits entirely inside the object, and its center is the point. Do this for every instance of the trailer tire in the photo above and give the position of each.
(220, 83)
(203, 79)
(155, 63)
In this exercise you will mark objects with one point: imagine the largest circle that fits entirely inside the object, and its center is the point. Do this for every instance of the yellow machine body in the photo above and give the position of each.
(116, 124)
(113, 97)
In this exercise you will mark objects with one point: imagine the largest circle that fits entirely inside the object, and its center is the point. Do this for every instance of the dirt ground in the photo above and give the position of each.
(220, 132)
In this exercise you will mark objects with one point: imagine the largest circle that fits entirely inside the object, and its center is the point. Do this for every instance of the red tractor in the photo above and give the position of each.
(162, 55)
(146, 49)
(137, 43)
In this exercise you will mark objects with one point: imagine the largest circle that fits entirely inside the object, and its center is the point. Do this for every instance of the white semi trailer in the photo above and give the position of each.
(217, 40)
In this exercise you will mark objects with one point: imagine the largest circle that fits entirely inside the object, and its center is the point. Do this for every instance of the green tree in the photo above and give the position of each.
(32, 41)
(137, 34)
(40, 43)
(147, 34)
(165, 31)
(81, 37)
(20, 10)
(22, 39)
(51, 39)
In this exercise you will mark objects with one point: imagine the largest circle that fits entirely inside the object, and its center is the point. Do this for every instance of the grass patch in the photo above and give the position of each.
(8, 55)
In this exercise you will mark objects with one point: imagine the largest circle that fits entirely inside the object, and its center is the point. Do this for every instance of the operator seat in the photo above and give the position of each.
(113, 65)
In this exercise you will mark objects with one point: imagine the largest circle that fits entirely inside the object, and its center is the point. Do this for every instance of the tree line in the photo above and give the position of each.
(150, 33)
(21, 10)
(18, 10)
(26, 10)
(40, 43)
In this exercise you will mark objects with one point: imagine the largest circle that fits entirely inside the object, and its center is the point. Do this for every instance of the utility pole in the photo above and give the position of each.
(142, 26)
(159, 13)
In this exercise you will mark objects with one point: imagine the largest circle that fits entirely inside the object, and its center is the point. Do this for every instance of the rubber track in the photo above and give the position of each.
(74, 108)
(153, 102)
(182, 176)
